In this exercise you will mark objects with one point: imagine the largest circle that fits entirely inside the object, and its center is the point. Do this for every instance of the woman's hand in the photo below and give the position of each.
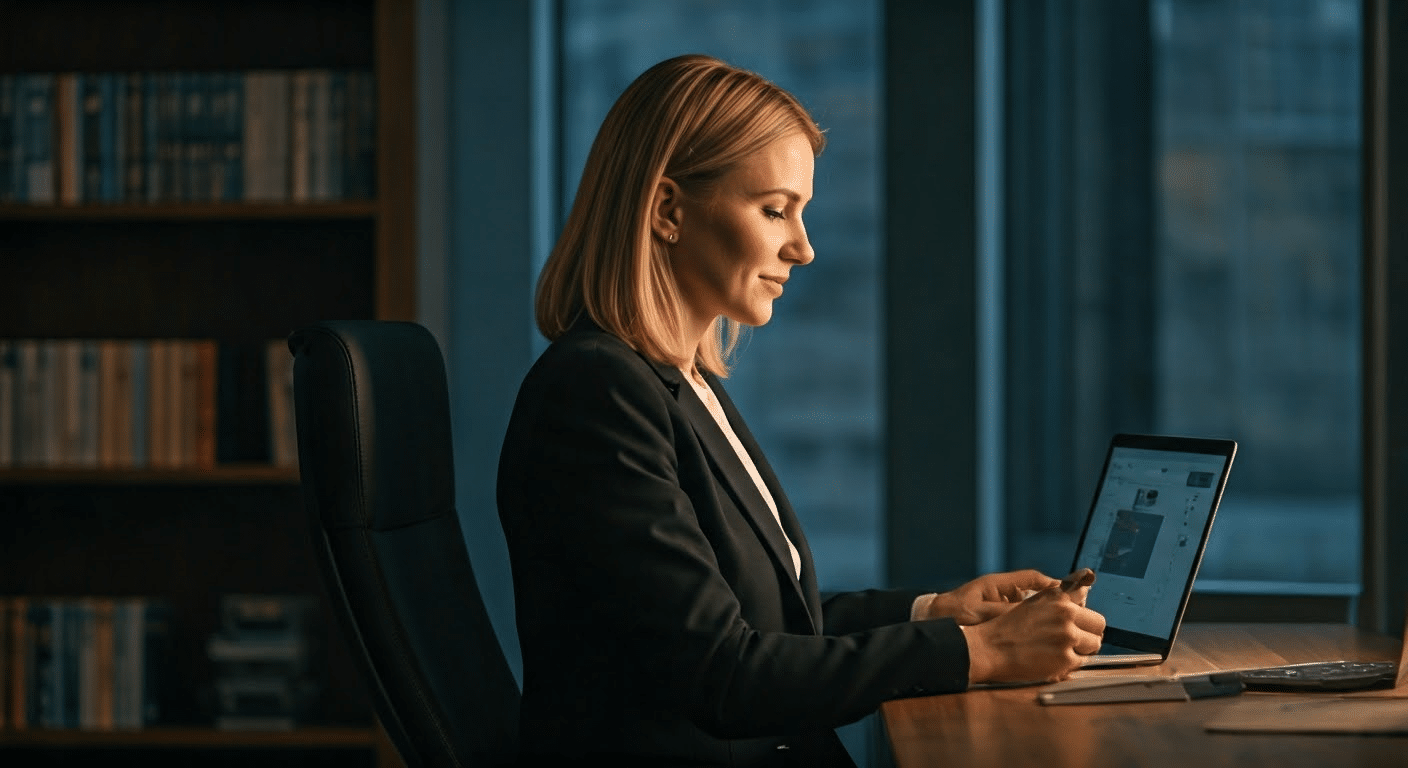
(987, 597)
(1039, 639)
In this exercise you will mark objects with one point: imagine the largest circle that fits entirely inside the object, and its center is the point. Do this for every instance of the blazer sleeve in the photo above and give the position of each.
(619, 589)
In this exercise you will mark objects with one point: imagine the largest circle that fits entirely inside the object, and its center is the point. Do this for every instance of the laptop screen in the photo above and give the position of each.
(1145, 534)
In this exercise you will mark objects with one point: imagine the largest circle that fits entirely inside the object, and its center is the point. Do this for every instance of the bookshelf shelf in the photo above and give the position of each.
(236, 474)
(186, 737)
(197, 267)
(357, 209)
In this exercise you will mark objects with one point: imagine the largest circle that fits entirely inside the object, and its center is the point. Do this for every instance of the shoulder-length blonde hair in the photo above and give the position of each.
(691, 119)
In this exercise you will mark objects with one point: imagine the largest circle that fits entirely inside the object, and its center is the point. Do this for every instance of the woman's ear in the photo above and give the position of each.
(666, 210)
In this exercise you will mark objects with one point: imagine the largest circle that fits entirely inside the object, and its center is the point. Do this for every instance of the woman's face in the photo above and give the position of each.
(737, 246)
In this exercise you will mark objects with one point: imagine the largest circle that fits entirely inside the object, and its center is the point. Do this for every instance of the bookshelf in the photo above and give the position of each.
(235, 271)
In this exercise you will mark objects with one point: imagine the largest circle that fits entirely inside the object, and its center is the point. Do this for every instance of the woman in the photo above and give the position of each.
(667, 605)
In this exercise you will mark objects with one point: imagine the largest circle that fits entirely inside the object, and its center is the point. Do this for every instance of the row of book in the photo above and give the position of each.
(262, 659)
(155, 137)
(142, 403)
(93, 663)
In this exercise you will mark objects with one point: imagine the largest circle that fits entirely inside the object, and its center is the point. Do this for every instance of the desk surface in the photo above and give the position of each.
(1007, 727)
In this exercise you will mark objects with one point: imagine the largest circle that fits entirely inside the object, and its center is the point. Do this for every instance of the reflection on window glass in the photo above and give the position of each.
(1184, 257)
(808, 382)
(1258, 272)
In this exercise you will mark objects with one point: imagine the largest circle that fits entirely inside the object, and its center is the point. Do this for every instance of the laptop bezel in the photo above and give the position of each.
(1208, 446)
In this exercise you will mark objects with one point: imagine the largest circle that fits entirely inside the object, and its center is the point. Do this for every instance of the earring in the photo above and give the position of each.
(672, 237)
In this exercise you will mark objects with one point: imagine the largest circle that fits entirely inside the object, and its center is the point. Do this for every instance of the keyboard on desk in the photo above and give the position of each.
(1321, 676)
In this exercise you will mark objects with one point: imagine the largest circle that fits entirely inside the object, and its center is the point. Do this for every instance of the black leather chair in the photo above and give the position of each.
(373, 416)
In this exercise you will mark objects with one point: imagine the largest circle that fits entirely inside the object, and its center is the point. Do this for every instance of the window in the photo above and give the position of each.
(1184, 230)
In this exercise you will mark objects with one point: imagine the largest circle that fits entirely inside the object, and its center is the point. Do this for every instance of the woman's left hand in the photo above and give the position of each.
(987, 597)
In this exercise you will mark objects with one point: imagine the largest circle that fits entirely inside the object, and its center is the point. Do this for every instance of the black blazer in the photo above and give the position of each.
(656, 604)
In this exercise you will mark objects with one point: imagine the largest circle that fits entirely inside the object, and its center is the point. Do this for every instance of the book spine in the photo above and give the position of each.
(228, 167)
(122, 651)
(113, 127)
(300, 124)
(140, 356)
(336, 149)
(134, 139)
(86, 664)
(68, 148)
(36, 412)
(158, 351)
(86, 444)
(9, 410)
(90, 137)
(104, 664)
(5, 669)
(195, 136)
(283, 436)
(7, 139)
(110, 405)
(155, 649)
(154, 120)
(205, 395)
(37, 138)
(64, 402)
(20, 663)
(188, 407)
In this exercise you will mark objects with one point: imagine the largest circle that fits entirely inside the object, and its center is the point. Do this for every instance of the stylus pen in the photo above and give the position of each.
(1082, 577)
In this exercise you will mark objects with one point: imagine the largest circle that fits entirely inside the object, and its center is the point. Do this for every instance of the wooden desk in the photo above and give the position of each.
(1007, 727)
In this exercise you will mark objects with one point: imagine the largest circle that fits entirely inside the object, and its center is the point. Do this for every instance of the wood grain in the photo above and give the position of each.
(1007, 727)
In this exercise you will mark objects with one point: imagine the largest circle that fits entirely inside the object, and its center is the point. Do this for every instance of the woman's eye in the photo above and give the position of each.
(773, 213)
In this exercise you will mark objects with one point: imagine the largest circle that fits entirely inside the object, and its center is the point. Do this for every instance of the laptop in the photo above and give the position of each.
(1144, 537)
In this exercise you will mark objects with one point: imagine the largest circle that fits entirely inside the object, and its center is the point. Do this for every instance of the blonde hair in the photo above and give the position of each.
(692, 119)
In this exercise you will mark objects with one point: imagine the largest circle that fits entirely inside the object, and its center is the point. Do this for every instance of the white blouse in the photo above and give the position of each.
(712, 403)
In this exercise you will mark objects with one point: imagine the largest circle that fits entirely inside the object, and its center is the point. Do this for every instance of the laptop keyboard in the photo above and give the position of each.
(1321, 676)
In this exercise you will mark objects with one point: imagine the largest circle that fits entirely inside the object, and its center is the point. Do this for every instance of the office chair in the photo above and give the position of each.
(373, 415)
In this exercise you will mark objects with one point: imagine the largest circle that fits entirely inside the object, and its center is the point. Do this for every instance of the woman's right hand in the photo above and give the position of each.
(1041, 639)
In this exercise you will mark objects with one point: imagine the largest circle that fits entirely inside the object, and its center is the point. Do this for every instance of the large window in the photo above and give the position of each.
(1185, 257)
(808, 382)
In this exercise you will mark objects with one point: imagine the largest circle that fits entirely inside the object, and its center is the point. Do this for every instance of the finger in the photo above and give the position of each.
(1030, 578)
(1089, 621)
(1077, 595)
(1087, 643)
(990, 611)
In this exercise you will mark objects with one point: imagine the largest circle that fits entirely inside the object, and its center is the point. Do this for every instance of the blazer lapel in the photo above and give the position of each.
(788, 516)
(731, 471)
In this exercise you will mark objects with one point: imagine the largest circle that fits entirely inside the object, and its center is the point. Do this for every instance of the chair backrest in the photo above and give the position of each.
(374, 451)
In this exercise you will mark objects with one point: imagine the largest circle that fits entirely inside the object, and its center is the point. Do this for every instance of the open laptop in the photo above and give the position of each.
(1144, 538)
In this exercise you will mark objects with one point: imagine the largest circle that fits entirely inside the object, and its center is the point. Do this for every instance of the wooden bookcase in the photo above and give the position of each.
(234, 272)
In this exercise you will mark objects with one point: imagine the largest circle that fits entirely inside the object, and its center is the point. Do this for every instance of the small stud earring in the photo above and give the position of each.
(672, 237)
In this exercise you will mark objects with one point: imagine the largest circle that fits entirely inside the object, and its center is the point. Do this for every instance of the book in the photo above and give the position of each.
(68, 149)
(159, 394)
(86, 392)
(7, 139)
(63, 401)
(9, 410)
(283, 431)
(139, 354)
(300, 139)
(114, 404)
(35, 423)
(134, 138)
(91, 97)
(34, 138)
(5, 672)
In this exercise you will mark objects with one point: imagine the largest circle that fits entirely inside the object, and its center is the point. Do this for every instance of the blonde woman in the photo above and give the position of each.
(667, 604)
